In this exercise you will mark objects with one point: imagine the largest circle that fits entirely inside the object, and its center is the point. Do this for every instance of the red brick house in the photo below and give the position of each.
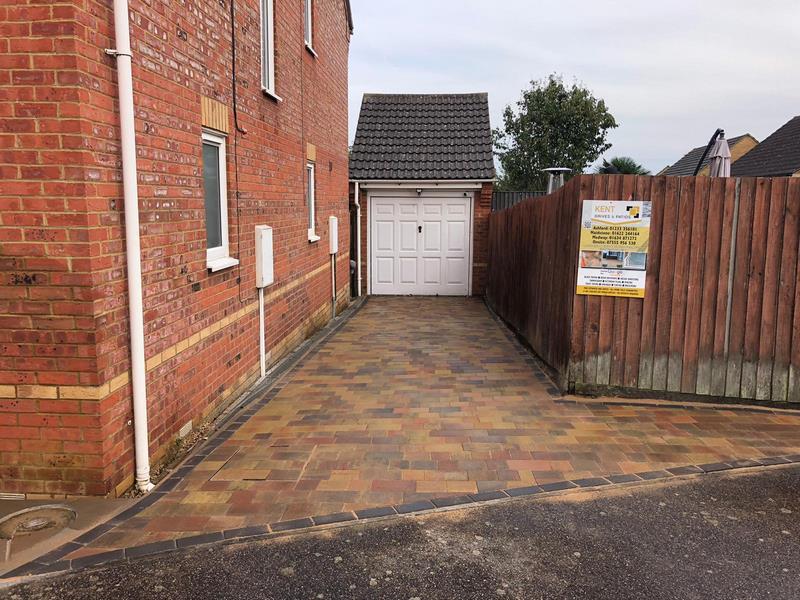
(240, 119)
(422, 169)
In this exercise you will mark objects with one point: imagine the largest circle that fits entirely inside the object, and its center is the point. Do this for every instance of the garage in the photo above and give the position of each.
(421, 245)
(421, 173)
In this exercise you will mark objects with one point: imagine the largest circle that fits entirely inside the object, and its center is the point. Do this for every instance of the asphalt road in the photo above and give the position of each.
(731, 536)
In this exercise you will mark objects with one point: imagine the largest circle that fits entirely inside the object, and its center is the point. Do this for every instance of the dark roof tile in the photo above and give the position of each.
(423, 136)
(776, 156)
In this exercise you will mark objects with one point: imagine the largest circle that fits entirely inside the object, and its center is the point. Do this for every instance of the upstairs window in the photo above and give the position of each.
(311, 202)
(309, 22)
(268, 46)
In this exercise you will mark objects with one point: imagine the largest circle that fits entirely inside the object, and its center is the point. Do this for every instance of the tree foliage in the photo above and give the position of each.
(622, 165)
(553, 125)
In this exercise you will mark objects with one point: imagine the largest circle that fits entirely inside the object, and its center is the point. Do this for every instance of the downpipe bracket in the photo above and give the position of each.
(117, 53)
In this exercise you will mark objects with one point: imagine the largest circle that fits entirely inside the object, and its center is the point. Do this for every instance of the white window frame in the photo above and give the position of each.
(219, 257)
(268, 47)
(311, 201)
(308, 24)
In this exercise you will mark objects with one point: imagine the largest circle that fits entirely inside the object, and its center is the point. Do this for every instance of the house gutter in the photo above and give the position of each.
(132, 242)
(424, 183)
(358, 236)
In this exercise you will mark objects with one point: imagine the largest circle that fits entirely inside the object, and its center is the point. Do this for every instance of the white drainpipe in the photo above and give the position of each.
(132, 243)
(262, 342)
(358, 237)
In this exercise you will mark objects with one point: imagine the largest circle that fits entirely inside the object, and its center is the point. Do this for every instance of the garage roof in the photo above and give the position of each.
(423, 137)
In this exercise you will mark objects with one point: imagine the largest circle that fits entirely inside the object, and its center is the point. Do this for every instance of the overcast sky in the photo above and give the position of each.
(671, 72)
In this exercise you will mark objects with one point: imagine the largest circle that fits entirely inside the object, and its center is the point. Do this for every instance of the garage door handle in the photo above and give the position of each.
(419, 228)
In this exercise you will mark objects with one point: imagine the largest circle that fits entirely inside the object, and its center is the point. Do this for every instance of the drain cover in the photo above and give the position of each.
(35, 518)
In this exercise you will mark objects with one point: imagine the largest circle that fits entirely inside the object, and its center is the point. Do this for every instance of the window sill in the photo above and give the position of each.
(311, 50)
(218, 264)
(272, 95)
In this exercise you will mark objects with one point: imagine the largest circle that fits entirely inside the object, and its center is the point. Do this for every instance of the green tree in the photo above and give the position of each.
(622, 165)
(553, 125)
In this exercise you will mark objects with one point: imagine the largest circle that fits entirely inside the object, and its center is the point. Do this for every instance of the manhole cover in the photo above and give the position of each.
(35, 524)
(30, 520)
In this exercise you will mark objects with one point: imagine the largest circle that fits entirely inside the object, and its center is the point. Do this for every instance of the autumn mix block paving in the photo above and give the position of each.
(422, 398)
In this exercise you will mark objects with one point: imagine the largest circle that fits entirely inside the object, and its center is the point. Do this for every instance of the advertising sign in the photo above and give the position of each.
(613, 251)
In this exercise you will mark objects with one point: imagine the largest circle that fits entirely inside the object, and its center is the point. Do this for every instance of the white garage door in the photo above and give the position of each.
(420, 245)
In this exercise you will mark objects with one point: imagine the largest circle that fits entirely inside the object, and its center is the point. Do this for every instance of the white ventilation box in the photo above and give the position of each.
(333, 233)
(265, 270)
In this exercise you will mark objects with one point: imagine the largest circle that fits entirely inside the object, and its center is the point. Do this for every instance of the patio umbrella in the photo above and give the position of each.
(720, 159)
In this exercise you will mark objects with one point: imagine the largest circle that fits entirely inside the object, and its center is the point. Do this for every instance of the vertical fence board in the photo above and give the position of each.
(787, 305)
(694, 286)
(793, 392)
(772, 273)
(680, 283)
(605, 333)
(593, 304)
(710, 285)
(730, 220)
(577, 334)
(738, 302)
(619, 322)
(755, 288)
(793, 385)
(633, 335)
(652, 284)
(665, 283)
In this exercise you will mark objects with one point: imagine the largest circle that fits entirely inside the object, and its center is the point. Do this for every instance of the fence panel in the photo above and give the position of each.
(531, 253)
(721, 312)
(504, 200)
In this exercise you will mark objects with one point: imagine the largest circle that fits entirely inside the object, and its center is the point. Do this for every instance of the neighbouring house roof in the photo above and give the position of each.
(776, 156)
(423, 137)
(687, 164)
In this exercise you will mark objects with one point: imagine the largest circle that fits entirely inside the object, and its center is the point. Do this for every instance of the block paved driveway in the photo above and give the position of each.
(426, 397)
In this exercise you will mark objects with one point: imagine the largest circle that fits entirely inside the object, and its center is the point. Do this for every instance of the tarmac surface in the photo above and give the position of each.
(722, 535)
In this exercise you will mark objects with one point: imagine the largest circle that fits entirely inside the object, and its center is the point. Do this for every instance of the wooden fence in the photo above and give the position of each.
(503, 200)
(530, 268)
(718, 317)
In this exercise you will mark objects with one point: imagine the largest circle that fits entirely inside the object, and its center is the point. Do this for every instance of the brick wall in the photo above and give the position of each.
(64, 380)
(482, 207)
(48, 350)
(480, 237)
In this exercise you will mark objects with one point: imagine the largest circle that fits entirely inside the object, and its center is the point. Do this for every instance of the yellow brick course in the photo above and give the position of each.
(101, 391)
(37, 391)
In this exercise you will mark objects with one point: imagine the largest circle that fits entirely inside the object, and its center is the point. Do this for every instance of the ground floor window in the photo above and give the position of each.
(311, 202)
(215, 191)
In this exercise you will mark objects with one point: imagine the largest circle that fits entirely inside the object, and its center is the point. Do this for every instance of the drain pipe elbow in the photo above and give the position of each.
(122, 53)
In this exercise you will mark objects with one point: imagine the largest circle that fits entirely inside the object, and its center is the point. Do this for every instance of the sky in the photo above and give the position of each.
(671, 72)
